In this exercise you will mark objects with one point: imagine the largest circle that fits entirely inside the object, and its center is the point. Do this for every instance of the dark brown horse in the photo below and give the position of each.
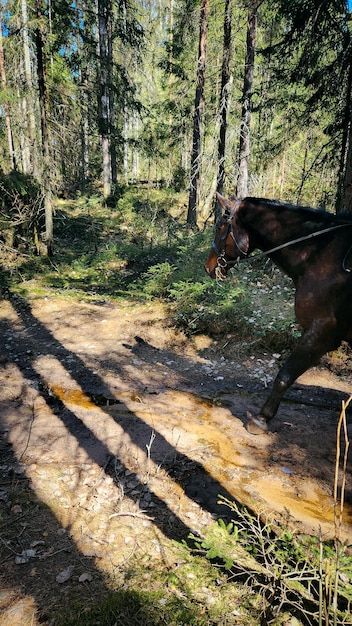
(314, 248)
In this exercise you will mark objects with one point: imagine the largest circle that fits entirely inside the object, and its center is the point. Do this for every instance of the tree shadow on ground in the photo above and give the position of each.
(34, 549)
(22, 343)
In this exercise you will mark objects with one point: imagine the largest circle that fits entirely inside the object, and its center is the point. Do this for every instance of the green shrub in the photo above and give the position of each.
(207, 306)
(141, 248)
(21, 205)
(157, 279)
(291, 572)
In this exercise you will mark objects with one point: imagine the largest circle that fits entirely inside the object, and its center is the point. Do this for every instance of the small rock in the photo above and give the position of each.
(25, 556)
(65, 575)
(286, 470)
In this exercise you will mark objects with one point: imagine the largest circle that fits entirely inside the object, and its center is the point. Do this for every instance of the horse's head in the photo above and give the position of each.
(231, 242)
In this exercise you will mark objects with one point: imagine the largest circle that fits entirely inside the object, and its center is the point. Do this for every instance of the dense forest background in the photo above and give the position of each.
(246, 97)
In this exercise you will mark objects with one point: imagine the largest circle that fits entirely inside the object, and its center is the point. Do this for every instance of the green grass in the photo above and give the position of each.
(140, 248)
(249, 572)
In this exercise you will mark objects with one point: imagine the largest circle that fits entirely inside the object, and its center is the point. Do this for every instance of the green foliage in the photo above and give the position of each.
(296, 572)
(132, 607)
(306, 102)
(17, 185)
(206, 307)
(157, 279)
(21, 209)
(139, 248)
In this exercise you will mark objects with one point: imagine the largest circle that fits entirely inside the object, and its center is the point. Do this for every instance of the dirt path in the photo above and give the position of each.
(128, 432)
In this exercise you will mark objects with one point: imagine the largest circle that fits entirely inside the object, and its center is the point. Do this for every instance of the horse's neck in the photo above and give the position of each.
(269, 229)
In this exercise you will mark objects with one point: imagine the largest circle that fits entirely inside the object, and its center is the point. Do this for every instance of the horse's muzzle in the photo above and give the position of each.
(210, 272)
(216, 271)
(211, 263)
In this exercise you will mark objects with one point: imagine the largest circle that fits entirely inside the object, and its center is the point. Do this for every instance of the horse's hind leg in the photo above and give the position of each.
(318, 340)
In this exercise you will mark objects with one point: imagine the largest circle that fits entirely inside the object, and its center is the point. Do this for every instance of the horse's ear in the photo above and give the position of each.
(226, 204)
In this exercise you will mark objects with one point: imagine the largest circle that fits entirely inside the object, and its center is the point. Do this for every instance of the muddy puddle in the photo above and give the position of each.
(215, 439)
(160, 436)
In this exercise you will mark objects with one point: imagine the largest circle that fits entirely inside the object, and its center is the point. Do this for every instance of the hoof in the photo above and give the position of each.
(257, 425)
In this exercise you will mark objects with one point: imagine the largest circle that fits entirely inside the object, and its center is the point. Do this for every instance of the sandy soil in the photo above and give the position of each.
(127, 432)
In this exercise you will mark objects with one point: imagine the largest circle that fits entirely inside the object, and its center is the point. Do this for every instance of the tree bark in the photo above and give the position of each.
(104, 15)
(82, 35)
(84, 124)
(193, 202)
(43, 104)
(6, 107)
(344, 192)
(125, 106)
(244, 144)
(110, 73)
(223, 105)
(30, 160)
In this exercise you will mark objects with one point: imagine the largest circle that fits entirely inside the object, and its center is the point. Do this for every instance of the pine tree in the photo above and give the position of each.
(223, 104)
(316, 51)
(10, 144)
(244, 144)
(196, 159)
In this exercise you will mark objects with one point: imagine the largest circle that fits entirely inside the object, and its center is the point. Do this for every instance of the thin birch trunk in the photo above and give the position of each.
(135, 152)
(125, 107)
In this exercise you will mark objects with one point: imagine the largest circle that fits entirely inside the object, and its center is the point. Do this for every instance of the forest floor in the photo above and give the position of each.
(118, 434)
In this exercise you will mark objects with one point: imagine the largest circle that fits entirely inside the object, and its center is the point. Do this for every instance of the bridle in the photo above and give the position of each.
(224, 263)
(220, 249)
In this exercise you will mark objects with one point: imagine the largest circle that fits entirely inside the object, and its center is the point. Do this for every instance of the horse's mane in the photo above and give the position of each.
(316, 215)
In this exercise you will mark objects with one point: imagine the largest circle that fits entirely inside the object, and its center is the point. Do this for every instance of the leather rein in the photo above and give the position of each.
(220, 250)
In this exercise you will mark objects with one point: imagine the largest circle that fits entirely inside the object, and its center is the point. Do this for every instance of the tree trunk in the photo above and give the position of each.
(345, 203)
(84, 132)
(43, 104)
(244, 146)
(83, 99)
(112, 133)
(30, 159)
(344, 192)
(193, 202)
(6, 107)
(135, 152)
(104, 15)
(223, 105)
(125, 105)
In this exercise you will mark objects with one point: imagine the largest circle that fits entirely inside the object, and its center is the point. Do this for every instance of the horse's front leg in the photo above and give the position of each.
(315, 342)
